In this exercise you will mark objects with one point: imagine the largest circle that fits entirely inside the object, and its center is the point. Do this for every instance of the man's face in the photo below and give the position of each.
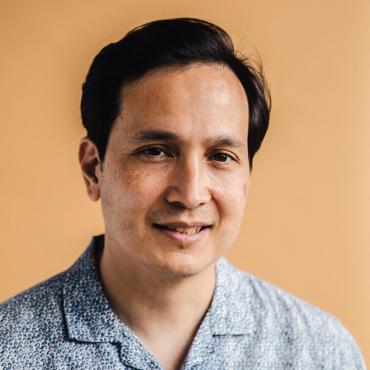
(175, 177)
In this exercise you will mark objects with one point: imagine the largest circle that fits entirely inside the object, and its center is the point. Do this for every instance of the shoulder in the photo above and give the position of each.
(282, 321)
(33, 302)
(31, 320)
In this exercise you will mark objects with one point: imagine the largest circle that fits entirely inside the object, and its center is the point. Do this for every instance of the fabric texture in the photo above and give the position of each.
(67, 323)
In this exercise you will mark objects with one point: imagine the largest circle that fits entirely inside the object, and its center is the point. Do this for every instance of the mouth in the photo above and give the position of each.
(184, 233)
(189, 230)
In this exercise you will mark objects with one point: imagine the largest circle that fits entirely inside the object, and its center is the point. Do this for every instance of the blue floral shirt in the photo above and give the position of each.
(67, 323)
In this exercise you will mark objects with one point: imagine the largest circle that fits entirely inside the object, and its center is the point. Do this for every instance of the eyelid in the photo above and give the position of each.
(232, 156)
(171, 152)
(162, 147)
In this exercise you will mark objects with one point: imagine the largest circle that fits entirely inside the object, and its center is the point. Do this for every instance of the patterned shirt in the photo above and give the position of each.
(67, 323)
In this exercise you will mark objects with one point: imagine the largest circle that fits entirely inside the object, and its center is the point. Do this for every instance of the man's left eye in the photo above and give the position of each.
(221, 157)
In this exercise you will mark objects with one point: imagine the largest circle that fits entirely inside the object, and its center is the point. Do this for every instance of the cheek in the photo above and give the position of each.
(132, 190)
(231, 196)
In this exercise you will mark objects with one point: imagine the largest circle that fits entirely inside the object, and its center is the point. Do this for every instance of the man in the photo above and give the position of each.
(173, 120)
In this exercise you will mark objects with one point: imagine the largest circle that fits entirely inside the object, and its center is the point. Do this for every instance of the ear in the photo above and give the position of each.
(91, 167)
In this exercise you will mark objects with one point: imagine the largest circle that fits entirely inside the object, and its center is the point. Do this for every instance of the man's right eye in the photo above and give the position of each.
(155, 152)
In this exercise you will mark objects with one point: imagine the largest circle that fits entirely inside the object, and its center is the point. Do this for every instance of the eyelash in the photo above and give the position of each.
(145, 151)
(229, 156)
(168, 153)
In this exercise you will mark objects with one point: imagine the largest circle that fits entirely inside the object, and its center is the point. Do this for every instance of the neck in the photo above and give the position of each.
(151, 303)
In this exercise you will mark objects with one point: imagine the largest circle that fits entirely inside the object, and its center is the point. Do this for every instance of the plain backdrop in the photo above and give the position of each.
(306, 226)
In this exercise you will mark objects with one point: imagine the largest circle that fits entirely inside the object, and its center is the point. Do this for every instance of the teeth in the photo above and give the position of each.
(186, 230)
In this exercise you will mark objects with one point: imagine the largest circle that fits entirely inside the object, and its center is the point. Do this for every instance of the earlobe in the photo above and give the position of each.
(90, 166)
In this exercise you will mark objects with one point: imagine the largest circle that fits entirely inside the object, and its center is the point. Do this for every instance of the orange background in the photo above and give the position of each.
(306, 227)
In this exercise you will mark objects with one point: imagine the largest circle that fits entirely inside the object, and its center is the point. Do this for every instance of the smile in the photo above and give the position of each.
(184, 230)
(184, 234)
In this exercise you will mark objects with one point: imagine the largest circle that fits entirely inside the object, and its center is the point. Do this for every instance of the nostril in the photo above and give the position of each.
(188, 190)
(176, 204)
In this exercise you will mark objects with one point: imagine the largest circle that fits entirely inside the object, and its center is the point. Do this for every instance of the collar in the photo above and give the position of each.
(89, 317)
(231, 310)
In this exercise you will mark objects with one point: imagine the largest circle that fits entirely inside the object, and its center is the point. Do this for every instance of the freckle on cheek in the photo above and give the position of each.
(130, 177)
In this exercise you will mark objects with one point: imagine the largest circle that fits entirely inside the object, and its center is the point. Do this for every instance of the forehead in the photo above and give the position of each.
(199, 98)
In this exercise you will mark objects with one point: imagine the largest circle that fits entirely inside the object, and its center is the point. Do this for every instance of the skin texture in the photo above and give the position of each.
(177, 152)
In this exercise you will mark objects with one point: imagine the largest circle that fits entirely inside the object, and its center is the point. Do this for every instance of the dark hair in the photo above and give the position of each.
(166, 43)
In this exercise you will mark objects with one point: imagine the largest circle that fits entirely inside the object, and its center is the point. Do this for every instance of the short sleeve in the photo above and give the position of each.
(347, 354)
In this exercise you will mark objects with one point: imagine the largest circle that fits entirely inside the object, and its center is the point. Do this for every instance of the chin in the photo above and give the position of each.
(181, 266)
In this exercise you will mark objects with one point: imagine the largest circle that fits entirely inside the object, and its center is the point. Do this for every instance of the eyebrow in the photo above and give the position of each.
(227, 141)
(158, 135)
(153, 135)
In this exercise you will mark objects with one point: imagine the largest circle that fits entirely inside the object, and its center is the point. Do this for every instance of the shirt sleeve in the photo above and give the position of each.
(347, 354)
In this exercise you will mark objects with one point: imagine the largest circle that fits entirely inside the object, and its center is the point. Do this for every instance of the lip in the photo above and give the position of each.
(184, 224)
(182, 237)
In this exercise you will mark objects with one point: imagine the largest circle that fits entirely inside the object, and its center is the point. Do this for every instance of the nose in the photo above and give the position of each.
(188, 186)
